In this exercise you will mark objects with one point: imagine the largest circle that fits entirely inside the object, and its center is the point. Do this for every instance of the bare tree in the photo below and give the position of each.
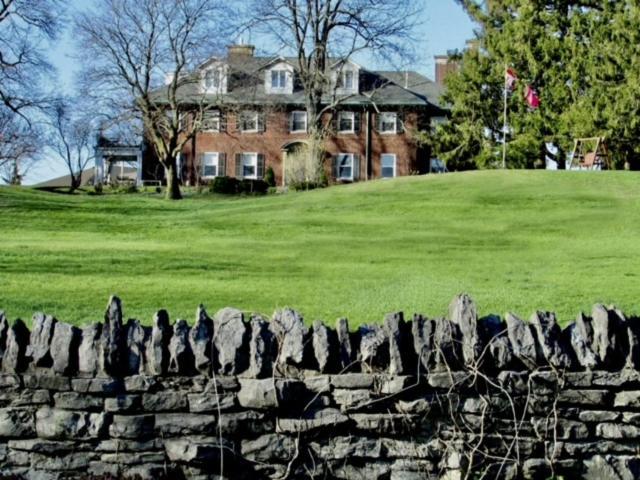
(25, 25)
(20, 147)
(140, 56)
(324, 34)
(70, 139)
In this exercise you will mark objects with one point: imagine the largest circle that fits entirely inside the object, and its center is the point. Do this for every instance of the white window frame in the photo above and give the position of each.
(256, 115)
(292, 121)
(254, 162)
(342, 80)
(395, 164)
(213, 80)
(352, 157)
(341, 75)
(395, 123)
(213, 76)
(353, 121)
(345, 75)
(281, 74)
(214, 118)
(216, 155)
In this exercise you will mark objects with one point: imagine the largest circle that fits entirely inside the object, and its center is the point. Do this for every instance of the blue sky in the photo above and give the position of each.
(445, 27)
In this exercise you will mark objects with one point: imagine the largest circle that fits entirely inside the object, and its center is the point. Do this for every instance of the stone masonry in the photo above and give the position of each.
(236, 397)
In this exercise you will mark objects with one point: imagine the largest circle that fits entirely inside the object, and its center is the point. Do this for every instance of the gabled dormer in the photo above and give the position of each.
(214, 77)
(346, 77)
(279, 77)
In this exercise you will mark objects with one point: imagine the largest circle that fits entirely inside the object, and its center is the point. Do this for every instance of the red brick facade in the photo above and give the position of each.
(368, 144)
(401, 102)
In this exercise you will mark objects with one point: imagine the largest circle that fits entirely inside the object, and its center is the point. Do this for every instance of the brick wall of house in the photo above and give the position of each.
(276, 135)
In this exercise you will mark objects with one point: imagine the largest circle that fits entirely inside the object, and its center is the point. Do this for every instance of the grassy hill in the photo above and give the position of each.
(516, 240)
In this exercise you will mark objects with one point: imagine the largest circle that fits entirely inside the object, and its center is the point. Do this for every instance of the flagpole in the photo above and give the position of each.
(504, 124)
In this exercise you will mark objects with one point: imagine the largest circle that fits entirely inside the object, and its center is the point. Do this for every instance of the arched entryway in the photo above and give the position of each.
(296, 164)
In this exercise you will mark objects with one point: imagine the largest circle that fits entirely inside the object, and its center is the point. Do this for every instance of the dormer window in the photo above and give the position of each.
(278, 79)
(346, 80)
(214, 79)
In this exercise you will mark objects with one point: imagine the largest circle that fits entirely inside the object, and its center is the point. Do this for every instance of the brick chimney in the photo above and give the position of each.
(240, 51)
(444, 66)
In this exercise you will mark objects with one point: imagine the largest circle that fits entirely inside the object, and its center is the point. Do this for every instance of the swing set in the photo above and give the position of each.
(590, 154)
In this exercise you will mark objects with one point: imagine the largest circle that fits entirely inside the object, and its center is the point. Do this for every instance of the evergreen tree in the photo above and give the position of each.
(574, 53)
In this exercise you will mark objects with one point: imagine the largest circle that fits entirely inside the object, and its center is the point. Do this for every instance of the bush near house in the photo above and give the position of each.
(233, 186)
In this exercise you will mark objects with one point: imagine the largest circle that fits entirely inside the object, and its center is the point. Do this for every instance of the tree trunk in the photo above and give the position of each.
(316, 140)
(15, 174)
(75, 182)
(173, 184)
(316, 152)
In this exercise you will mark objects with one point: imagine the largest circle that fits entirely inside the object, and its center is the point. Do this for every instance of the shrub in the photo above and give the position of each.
(253, 187)
(270, 177)
(324, 179)
(97, 189)
(124, 188)
(305, 185)
(224, 185)
(233, 186)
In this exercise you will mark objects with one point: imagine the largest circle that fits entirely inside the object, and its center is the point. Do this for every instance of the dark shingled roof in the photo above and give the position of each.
(382, 88)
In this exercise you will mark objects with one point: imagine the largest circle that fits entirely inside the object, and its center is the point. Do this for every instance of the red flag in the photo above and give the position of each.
(532, 98)
(510, 79)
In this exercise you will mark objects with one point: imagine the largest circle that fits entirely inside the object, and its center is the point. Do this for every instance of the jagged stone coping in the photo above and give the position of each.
(232, 344)
(233, 397)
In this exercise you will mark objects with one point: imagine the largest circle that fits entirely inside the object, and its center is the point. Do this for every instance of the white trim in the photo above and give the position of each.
(280, 77)
(255, 158)
(395, 123)
(214, 117)
(279, 67)
(353, 122)
(352, 157)
(344, 61)
(340, 69)
(214, 68)
(395, 164)
(292, 122)
(217, 164)
(257, 120)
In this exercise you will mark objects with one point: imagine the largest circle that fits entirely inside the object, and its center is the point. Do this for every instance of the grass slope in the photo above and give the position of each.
(514, 240)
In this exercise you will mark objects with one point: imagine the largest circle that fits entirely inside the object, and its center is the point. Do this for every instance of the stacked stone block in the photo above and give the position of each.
(237, 397)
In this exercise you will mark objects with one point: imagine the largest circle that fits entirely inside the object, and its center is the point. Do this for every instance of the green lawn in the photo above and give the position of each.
(518, 240)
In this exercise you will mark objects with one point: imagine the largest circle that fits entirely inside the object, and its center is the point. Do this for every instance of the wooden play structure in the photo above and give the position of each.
(590, 154)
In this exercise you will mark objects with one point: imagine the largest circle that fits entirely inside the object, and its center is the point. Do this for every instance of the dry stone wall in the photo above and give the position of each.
(237, 397)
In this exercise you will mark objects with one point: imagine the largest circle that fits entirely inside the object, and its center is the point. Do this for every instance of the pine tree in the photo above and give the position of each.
(575, 53)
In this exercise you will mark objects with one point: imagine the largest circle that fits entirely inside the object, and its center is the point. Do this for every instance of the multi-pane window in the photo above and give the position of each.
(210, 164)
(211, 121)
(249, 121)
(278, 79)
(345, 166)
(346, 80)
(388, 122)
(298, 122)
(250, 165)
(388, 161)
(212, 79)
(346, 122)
